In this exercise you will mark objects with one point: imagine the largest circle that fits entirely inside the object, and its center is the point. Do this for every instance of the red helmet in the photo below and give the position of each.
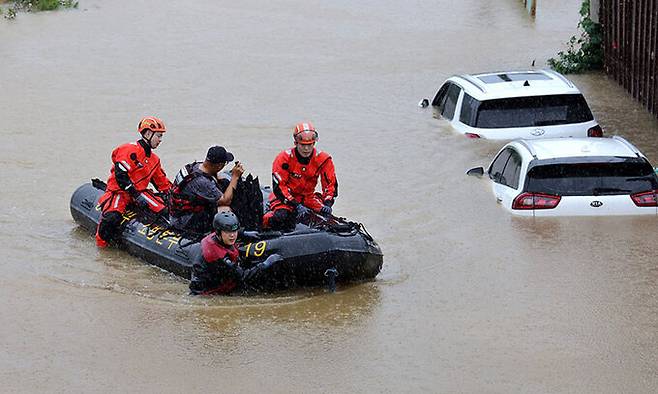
(304, 133)
(151, 123)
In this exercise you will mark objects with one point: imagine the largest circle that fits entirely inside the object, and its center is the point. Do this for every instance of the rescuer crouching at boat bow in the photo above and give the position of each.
(196, 193)
(134, 167)
(216, 261)
(295, 173)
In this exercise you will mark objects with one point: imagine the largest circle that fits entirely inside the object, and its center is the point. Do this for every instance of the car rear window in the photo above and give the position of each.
(592, 179)
(532, 111)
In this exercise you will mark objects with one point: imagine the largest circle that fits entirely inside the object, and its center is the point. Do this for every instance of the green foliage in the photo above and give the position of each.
(37, 5)
(585, 52)
(47, 5)
(11, 13)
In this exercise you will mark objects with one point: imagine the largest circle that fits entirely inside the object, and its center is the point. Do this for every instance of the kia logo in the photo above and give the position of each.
(596, 204)
(538, 132)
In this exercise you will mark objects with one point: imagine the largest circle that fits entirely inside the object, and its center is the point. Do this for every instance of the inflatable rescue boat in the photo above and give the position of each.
(322, 252)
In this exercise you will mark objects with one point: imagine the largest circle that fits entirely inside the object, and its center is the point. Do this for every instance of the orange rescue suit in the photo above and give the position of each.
(139, 166)
(294, 181)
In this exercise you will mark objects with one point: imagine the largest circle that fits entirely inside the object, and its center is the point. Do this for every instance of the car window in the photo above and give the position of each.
(469, 110)
(440, 97)
(512, 170)
(451, 101)
(498, 165)
(591, 179)
(533, 111)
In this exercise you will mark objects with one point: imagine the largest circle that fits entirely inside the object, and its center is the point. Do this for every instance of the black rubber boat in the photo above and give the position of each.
(315, 254)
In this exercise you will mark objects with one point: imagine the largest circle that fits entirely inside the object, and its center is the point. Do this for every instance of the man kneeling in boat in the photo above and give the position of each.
(216, 261)
(196, 193)
(134, 166)
(295, 173)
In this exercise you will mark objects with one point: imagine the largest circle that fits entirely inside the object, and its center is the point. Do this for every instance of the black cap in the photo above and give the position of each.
(217, 154)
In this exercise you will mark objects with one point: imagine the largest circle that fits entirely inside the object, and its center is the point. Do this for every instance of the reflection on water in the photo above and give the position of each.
(316, 310)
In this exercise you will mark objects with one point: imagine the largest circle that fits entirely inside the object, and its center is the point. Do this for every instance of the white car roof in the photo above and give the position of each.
(550, 148)
(495, 85)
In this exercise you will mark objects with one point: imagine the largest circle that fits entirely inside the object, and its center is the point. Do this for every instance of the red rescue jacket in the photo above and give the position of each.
(217, 270)
(213, 251)
(292, 180)
(142, 165)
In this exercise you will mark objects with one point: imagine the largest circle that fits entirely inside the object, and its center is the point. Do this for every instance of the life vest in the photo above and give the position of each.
(212, 250)
(212, 274)
(142, 167)
(293, 180)
(183, 202)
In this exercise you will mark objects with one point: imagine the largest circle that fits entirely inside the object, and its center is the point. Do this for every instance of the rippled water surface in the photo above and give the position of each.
(469, 299)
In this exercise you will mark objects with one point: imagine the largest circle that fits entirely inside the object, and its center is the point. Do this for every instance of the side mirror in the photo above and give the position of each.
(424, 103)
(475, 171)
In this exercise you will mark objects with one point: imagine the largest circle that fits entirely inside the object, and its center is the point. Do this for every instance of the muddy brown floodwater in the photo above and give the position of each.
(469, 298)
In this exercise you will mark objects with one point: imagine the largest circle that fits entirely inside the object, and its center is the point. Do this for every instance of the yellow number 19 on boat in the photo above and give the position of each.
(259, 249)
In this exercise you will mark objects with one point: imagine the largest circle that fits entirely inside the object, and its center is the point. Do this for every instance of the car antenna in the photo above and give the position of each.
(526, 83)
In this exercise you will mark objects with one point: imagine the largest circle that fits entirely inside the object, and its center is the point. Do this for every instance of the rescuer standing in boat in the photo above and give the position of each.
(295, 173)
(216, 261)
(134, 166)
(196, 193)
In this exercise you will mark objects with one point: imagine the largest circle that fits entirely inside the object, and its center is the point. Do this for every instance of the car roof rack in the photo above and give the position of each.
(473, 81)
(525, 144)
(628, 145)
(562, 77)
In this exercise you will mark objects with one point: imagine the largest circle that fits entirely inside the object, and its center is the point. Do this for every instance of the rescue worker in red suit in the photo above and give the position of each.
(216, 261)
(134, 166)
(295, 174)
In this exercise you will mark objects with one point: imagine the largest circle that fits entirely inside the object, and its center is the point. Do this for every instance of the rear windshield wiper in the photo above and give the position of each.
(549, 122)
(608, 190)
(646, 178)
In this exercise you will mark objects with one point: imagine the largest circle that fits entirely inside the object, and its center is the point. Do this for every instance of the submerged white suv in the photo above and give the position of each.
(573, 177)
(515, 104)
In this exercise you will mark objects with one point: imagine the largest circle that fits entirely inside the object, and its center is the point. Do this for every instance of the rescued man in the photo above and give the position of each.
(196, 193)
(216, 261)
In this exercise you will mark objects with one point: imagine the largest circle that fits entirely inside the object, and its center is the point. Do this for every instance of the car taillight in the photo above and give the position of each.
(472, 135)
(535, 201)
(595, 131)
(645, 199)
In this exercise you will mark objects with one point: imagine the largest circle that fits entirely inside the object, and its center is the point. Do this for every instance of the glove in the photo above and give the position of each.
(272, 259)
(326, 210)
(132, 191)
(301, 210)
(166, 198)
(250, 235)
(141, 201)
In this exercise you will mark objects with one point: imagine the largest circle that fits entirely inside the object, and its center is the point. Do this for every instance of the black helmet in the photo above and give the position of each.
(225, 221)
